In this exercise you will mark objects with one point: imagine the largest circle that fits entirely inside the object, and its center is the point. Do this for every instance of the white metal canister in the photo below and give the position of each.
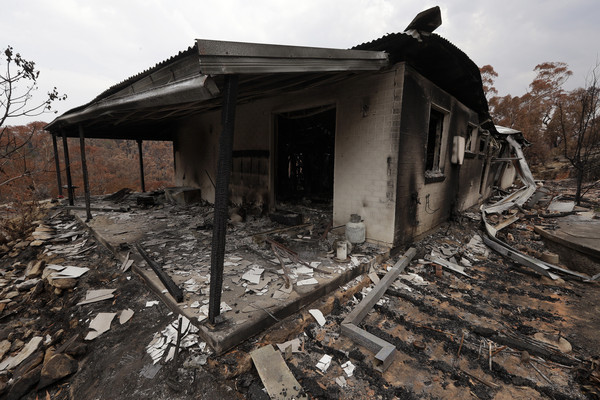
(355, 230)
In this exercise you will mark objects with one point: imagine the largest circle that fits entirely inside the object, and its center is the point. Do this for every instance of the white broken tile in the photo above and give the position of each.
(151, 303)
(295, 343)
(348, 368)
(310, 281)
(93, 296)
(318, 315)
(260, 285)
(99, 325)
(315, 264)
(195, 304)
(324, 363)
(70, 272)
(304, 270)
(341, 381)
(125, 316)
(253, 275)
(171, 354)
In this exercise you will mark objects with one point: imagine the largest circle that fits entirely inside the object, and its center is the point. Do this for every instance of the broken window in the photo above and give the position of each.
(470, 143)
(483, 142)
(305, 154)
(433, 156)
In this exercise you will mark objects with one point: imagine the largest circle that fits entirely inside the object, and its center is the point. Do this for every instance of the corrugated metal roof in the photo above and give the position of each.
(119, 86)
(262, 66)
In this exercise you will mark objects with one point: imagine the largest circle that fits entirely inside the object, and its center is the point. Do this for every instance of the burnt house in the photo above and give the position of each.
(396, 130)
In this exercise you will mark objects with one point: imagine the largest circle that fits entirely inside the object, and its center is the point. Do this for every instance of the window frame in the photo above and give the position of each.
(434, 163)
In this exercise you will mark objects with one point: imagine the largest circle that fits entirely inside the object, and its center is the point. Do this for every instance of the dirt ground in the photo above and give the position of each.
(444, 326)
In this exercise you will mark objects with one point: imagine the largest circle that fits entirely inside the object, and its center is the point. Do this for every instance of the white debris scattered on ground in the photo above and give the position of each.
(99, 325)
(295, 343)
(324, 363)
(203, 311)
(253, 275)
(166, 340)
(318, 316)
(93, 296)
(125, 315)
(348, 368)
(310, 281)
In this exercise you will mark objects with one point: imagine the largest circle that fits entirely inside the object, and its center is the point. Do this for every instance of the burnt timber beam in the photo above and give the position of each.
(57, 165)
(86, 183)
(384, 351)
(68, 168)
(222, 197)
(141, 157)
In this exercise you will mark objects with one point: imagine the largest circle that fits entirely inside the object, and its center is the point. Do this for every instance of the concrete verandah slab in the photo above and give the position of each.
(577, 240)
(254, 294)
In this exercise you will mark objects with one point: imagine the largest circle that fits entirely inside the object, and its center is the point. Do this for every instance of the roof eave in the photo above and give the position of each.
(196, 88)
(221, 58)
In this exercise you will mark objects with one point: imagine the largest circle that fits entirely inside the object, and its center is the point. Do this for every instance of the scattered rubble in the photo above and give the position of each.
(481, 324)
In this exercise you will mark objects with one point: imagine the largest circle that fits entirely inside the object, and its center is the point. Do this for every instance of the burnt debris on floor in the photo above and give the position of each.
(462, 319)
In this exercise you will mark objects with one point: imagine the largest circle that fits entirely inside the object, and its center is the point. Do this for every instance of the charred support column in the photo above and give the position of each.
(67, 168)
(57, 164)
(86, 184)
(141, 157)
(222, 197)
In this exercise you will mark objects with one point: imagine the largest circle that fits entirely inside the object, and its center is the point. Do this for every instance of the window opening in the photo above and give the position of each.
(434, 140)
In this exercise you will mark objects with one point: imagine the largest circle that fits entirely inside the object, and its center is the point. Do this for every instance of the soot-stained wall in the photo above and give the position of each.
(366, 148)
(424, 200)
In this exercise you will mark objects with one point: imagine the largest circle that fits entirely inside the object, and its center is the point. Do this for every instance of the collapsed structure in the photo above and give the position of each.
(396, 130)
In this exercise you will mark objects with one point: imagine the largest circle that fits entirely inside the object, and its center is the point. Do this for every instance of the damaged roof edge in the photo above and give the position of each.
(220, 57)
(196, 88)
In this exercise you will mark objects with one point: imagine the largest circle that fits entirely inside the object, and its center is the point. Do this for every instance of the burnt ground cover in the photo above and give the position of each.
(444, 326)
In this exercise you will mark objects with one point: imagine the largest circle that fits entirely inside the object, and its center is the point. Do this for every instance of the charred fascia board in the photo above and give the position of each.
(222, 58)
(191, 89)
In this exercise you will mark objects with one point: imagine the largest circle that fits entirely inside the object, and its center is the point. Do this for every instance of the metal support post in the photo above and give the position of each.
(68, 169)
(86, 184)
(141, 157)
(222, 197)
(57, 164)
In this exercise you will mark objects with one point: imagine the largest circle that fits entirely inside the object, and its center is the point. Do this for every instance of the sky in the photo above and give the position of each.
(85, 46)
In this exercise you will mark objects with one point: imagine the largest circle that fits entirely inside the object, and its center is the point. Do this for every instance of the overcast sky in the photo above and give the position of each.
(84, 47)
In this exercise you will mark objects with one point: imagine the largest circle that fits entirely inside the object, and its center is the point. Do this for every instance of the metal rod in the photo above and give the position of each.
(86, 183)
(57, 163)
(68, 168)
(141, 156)
(171, 286)
(222, 197)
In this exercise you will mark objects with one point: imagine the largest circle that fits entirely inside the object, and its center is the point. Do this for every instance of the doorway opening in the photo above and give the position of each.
(305, 141)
